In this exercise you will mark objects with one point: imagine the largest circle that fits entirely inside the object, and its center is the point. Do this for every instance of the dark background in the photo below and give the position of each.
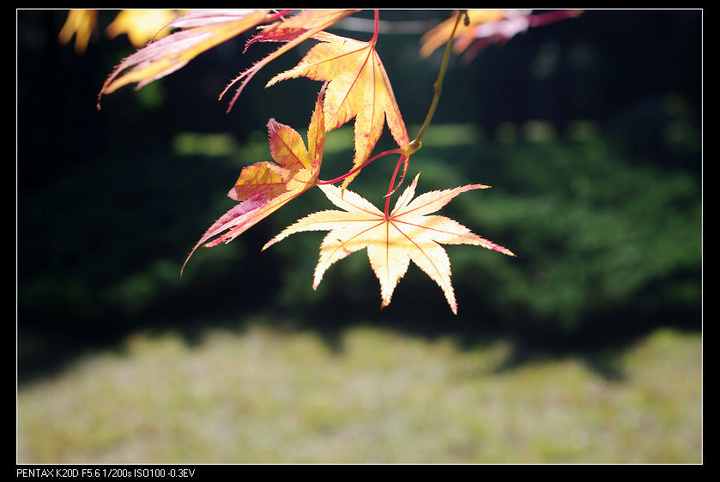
(601, 199)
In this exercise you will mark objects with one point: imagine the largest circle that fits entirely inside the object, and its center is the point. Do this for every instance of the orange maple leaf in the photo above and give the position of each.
(293, 30)
(439, 35)
(408, 233)
(264, 187)
(358, 88)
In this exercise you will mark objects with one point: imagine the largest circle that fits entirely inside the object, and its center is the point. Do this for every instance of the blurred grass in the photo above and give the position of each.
(265, 394)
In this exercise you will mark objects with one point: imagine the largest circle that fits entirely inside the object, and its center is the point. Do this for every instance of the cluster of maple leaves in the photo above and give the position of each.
(355, 85)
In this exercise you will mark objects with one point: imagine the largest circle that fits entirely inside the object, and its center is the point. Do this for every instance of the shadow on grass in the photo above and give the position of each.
(600, 344)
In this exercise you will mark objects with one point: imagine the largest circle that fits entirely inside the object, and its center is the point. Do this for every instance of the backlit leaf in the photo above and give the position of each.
(358, 88)
(408, 233)
(79, 23)
(293, 30)
(141, 26)
(264, 187)
(485, 27)
(200, 30)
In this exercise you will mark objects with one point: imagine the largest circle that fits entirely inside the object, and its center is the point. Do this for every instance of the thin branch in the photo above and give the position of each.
(403, 159)
(361, 166)
(376, 29)
(416, 143)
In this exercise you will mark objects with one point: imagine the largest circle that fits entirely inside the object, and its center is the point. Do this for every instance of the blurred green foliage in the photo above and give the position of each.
(598, 237)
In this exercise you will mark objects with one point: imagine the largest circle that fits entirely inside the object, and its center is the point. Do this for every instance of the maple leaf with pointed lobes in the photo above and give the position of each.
(201, 31)
(293, 31)
(408, 233)
(264, 187)
(358, 88)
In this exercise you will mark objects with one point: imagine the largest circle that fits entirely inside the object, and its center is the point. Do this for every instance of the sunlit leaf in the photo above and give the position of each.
(293, 31)
(141, 26)
(81, 24)
(264, 187)
(200, 31)
(407, 233)
(487, 26)
(359, 88)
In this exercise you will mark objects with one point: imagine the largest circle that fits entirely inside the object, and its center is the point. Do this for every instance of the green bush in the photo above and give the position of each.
(599, 239)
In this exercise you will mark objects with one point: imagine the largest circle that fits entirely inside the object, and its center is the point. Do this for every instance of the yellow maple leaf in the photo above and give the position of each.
(141, 26)
(439, 35)
(358, 88)
(81, 24)
(407, 233)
